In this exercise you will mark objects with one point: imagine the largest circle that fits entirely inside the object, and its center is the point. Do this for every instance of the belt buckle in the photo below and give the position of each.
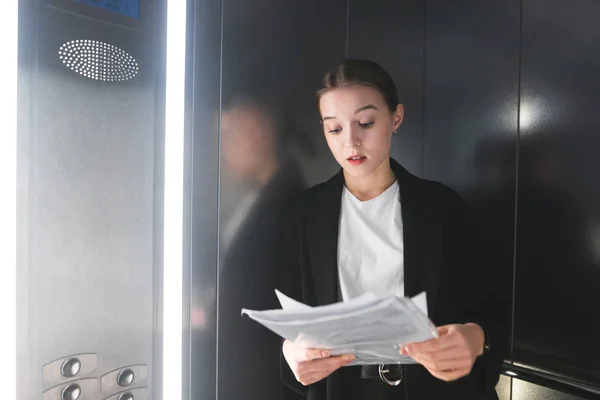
(383, 371)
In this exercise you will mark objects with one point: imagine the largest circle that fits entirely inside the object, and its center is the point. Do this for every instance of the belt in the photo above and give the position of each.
(392, 374)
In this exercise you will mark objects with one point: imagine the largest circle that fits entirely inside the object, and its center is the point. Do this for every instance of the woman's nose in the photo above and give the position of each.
(352, 139)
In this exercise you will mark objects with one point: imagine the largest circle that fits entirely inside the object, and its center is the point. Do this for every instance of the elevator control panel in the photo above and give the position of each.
(69, 369)
(131, 8)
(124, 380)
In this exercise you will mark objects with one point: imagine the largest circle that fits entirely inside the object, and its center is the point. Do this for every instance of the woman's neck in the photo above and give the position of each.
(370, 186)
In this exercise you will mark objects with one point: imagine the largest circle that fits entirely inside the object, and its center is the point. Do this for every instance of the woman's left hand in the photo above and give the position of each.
(450, 356)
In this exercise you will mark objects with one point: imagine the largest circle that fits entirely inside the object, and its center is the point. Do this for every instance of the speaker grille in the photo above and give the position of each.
(98, 60)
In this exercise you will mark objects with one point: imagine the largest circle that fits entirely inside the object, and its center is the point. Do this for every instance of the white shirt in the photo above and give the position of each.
(370, 245)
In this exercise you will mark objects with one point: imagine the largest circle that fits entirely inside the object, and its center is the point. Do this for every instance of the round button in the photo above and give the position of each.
(70, 368)
(126, 396)
(71, 392)
(125, 377)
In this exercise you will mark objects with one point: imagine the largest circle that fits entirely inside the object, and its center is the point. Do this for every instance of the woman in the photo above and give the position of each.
(375, 227)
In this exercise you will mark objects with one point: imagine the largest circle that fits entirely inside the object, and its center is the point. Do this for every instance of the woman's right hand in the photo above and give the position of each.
(312, 365)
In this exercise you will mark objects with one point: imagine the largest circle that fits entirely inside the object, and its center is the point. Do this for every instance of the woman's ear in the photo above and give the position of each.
(398, 116)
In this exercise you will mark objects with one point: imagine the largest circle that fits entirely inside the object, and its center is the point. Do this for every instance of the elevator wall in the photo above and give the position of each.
(89, 207)
(499, 100)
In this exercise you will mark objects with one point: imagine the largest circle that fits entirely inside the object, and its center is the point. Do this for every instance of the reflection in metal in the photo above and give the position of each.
(529, 113)
(539, 110)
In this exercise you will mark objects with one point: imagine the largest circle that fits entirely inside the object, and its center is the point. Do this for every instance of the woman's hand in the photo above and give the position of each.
(312, 365)
(451, 356)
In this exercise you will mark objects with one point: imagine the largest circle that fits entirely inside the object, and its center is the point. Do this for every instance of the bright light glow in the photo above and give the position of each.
(8, 198)
(527, 115)
(539, 110)
(510, 373)
(173, 224)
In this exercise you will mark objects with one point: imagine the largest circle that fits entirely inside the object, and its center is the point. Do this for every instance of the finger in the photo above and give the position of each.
(452, 353)
(329, 364)
(443, 330)
(447, 365)
(312, 354)
(320, 367)
(341, 361)
(451, 375)
(441, 343)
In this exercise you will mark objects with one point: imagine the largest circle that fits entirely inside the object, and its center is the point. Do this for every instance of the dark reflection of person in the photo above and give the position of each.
(254, 140)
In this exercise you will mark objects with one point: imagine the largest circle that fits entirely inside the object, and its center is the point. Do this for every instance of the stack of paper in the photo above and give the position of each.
(370, 327)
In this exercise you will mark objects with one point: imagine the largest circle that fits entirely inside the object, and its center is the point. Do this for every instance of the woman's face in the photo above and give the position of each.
(358, 128)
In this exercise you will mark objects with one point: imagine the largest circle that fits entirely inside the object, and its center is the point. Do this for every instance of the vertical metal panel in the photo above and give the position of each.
(393, 35)
(204, 196)
(558, 264)
(470, 134)
(88, 168)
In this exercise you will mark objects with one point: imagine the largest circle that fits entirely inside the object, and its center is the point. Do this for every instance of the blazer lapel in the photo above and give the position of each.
(322, 235)
(422, 239)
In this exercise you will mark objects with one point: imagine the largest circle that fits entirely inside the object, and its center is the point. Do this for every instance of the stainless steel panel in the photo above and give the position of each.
(52, 373)
(84, 389)
(110, 381)
(558, 257)
(88, 160)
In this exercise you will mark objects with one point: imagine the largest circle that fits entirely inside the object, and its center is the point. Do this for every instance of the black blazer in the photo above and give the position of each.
(440, 256)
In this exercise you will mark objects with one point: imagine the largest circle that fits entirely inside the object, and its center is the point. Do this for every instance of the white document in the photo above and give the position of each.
(371, 328)
(289, 304)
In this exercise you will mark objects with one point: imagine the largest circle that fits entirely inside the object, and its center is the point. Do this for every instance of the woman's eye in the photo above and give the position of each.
(337, 130)
(366, 124)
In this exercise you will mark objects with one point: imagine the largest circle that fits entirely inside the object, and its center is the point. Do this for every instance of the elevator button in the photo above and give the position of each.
(71, 392)
(126, 396)
(70, 368)
(125, 378)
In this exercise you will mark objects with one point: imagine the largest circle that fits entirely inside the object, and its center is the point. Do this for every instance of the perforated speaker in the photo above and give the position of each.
(98, 60)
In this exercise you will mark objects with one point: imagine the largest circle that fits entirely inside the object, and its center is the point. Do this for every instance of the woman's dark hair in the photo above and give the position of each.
(361, 72)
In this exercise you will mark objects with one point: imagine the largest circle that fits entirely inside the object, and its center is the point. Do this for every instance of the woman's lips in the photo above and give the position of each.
(356, 160)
